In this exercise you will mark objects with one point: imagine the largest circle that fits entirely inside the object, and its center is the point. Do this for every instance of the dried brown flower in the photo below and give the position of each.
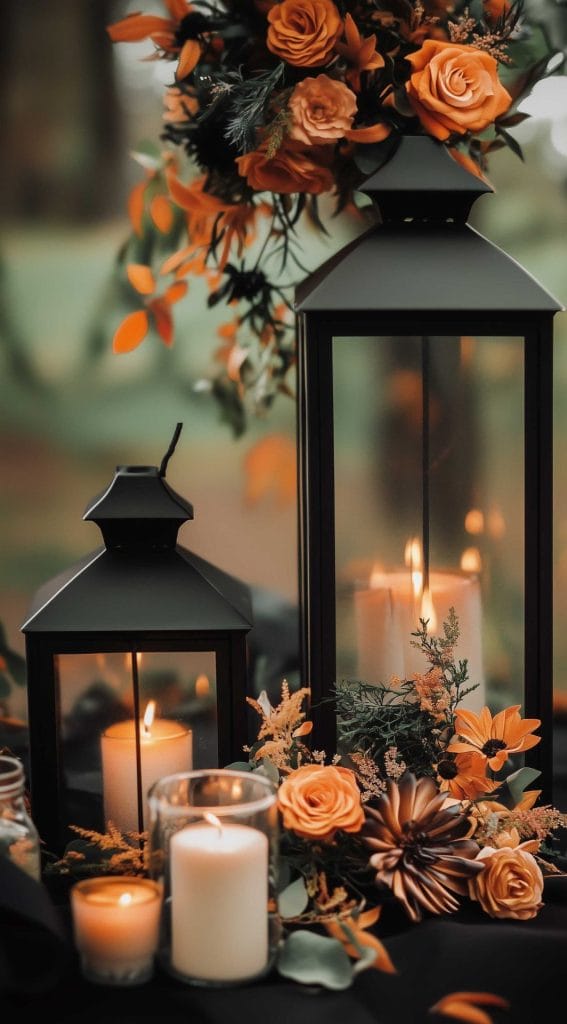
(418, 845)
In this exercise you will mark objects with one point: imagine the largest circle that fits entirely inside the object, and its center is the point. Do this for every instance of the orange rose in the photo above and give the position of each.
(511, 884)
(317, 799)
(455, 88)
(322, 108)
(292, 169)
(304, 32)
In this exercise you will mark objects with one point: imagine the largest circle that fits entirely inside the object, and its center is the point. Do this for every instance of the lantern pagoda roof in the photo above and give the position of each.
(141, 581)
(423, 257)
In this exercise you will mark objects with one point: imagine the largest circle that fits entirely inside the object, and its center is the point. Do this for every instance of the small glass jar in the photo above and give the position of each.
(214, 847)
(19, 839)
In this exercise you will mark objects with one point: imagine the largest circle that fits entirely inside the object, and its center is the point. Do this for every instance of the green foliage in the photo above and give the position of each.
(248, 104)
(315, 960)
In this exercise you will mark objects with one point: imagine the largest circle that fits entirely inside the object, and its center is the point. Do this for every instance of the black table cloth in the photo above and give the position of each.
(525, 962)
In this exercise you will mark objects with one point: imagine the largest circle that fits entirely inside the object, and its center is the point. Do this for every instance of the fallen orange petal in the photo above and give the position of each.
(161, 213)
(462, 1006)
(131, 332)
(136, 206)
(141, 278)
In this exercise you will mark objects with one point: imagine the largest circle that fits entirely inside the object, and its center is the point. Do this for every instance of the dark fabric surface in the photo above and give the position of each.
(525, 962)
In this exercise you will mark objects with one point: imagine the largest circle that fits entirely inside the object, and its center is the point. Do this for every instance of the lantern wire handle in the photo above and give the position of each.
(137, 740)
(425, 457)
(171, 449)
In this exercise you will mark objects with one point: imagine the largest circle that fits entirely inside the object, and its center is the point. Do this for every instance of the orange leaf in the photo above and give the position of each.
(141, 278)
(270, 467)
(175, 260)
(175, 292)
(372, 133)
(136, 206)
(135, 27)
(163, 320)
(161, 213)
(461, 1006)
(188, 58)
(131, 332)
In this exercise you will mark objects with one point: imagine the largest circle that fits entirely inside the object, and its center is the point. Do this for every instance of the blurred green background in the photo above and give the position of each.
(73, 107)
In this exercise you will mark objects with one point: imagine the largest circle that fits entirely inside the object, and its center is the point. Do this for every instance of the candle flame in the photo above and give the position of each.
(413, 558)
(213, 820)
(376, 576)
(471, 560)
(125, 899)
(474, 521)
(428, 611)
(202, 685)
(149, 715)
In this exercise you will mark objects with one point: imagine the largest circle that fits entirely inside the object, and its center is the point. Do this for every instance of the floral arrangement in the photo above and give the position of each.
(272, 104)
(421, 810)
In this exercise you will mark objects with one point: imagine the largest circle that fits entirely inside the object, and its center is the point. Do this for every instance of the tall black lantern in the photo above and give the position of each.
(141, 630)
(425, 436)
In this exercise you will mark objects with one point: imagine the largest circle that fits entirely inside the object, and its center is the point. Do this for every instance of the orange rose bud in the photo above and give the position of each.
(511, 884)
(455, 88)
(292, 169)
(304, 32)
(322, 109)
(316, 800)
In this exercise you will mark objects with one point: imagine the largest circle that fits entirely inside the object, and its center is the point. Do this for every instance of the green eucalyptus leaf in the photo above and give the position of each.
(294, 899)
(268, 769)
(239, 766)
(512, 788)
(315, 960)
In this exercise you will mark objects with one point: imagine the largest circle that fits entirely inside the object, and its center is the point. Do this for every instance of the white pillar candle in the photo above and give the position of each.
(219, 902)
(165, 747)
(116, 927)
(390, 604)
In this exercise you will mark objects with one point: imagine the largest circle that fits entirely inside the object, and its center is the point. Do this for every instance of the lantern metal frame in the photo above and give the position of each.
(141, 592)
(422, 271)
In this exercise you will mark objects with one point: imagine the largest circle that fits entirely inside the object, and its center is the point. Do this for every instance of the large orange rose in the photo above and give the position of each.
(322, 109)
(511, 884)
(292, 169)
(304, 32)
(318, 799)
(455, 88)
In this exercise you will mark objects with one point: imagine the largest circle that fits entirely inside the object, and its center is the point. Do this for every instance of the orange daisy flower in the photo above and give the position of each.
(464, 776)
(162, 32)
(494, 738)
(360, 54)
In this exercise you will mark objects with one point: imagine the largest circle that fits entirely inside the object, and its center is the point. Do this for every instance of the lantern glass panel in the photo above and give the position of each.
(429, 484)
(178, 708)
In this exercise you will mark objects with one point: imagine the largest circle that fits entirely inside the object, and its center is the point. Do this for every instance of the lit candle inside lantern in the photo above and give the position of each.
(116, 928)
(387, 612)
(219, 901)
(165, 748)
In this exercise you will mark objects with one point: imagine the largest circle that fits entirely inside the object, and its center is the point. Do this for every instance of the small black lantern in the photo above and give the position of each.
(425, 448)
(140, 631)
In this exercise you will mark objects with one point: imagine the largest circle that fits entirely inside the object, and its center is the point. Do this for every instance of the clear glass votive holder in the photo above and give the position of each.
(214, 849)
(116, 921)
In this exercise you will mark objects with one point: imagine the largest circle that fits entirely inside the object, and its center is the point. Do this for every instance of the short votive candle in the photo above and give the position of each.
(116, 928)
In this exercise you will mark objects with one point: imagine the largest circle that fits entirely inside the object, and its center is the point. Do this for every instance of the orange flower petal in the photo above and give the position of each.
(461, 1006)
(131, 332)
(135, 27)
(136, 206)
(303, 730)
(161, 213)
(141, 278)
(188, 58)
(176, 259)
(163, 320)
(371, 133)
